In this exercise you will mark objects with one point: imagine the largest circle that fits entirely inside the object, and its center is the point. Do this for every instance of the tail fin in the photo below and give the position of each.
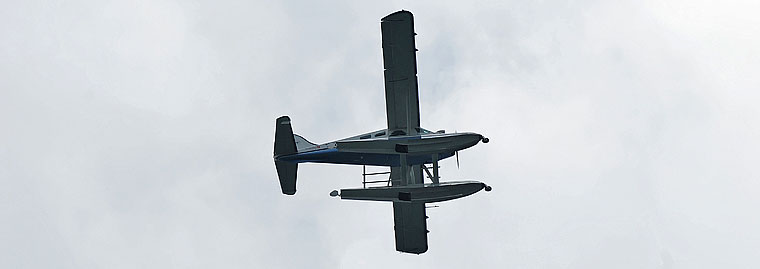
(285, 144)
(302, 143)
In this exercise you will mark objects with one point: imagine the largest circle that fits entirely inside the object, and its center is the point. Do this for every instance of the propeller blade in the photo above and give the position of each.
(457, 153)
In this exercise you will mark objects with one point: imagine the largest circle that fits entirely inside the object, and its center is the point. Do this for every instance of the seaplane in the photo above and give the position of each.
(406, 148)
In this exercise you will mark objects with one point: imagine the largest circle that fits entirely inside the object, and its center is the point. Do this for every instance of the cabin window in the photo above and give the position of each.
(380, 134)
(365, 136)
(397, 133)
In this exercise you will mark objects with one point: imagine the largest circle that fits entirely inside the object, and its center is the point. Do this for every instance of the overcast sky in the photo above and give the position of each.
(138, 134)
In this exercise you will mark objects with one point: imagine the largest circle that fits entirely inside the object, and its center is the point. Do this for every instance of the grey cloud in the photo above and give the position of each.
(140, 134)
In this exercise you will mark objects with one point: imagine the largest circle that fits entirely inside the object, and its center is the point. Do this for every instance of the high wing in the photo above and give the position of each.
(403, 111)
(409, 219)
(400, 63)
(411, 228)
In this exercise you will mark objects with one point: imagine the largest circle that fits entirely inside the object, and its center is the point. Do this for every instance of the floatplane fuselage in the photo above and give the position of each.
(391, 149)
(380, 148)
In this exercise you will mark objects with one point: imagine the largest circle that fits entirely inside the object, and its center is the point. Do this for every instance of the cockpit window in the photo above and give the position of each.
(397, 133)
(380, 134)
(365, 136)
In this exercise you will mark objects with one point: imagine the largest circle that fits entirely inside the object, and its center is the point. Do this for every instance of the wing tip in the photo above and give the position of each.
(398, 15)
(417, 251)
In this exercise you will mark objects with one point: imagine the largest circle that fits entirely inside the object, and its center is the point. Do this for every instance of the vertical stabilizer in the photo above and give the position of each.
(284, 144)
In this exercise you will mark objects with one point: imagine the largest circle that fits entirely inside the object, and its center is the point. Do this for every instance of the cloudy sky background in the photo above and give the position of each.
(139, 133)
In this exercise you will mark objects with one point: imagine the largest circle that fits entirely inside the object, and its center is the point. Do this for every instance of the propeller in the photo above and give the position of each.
(457, 153)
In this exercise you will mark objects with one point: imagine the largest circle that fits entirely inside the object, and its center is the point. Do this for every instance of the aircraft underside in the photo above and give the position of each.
(376, 159)
(403, 146)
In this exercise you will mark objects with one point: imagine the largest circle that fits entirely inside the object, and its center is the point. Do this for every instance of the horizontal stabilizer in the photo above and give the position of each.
(287, 171)
(285, 144)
